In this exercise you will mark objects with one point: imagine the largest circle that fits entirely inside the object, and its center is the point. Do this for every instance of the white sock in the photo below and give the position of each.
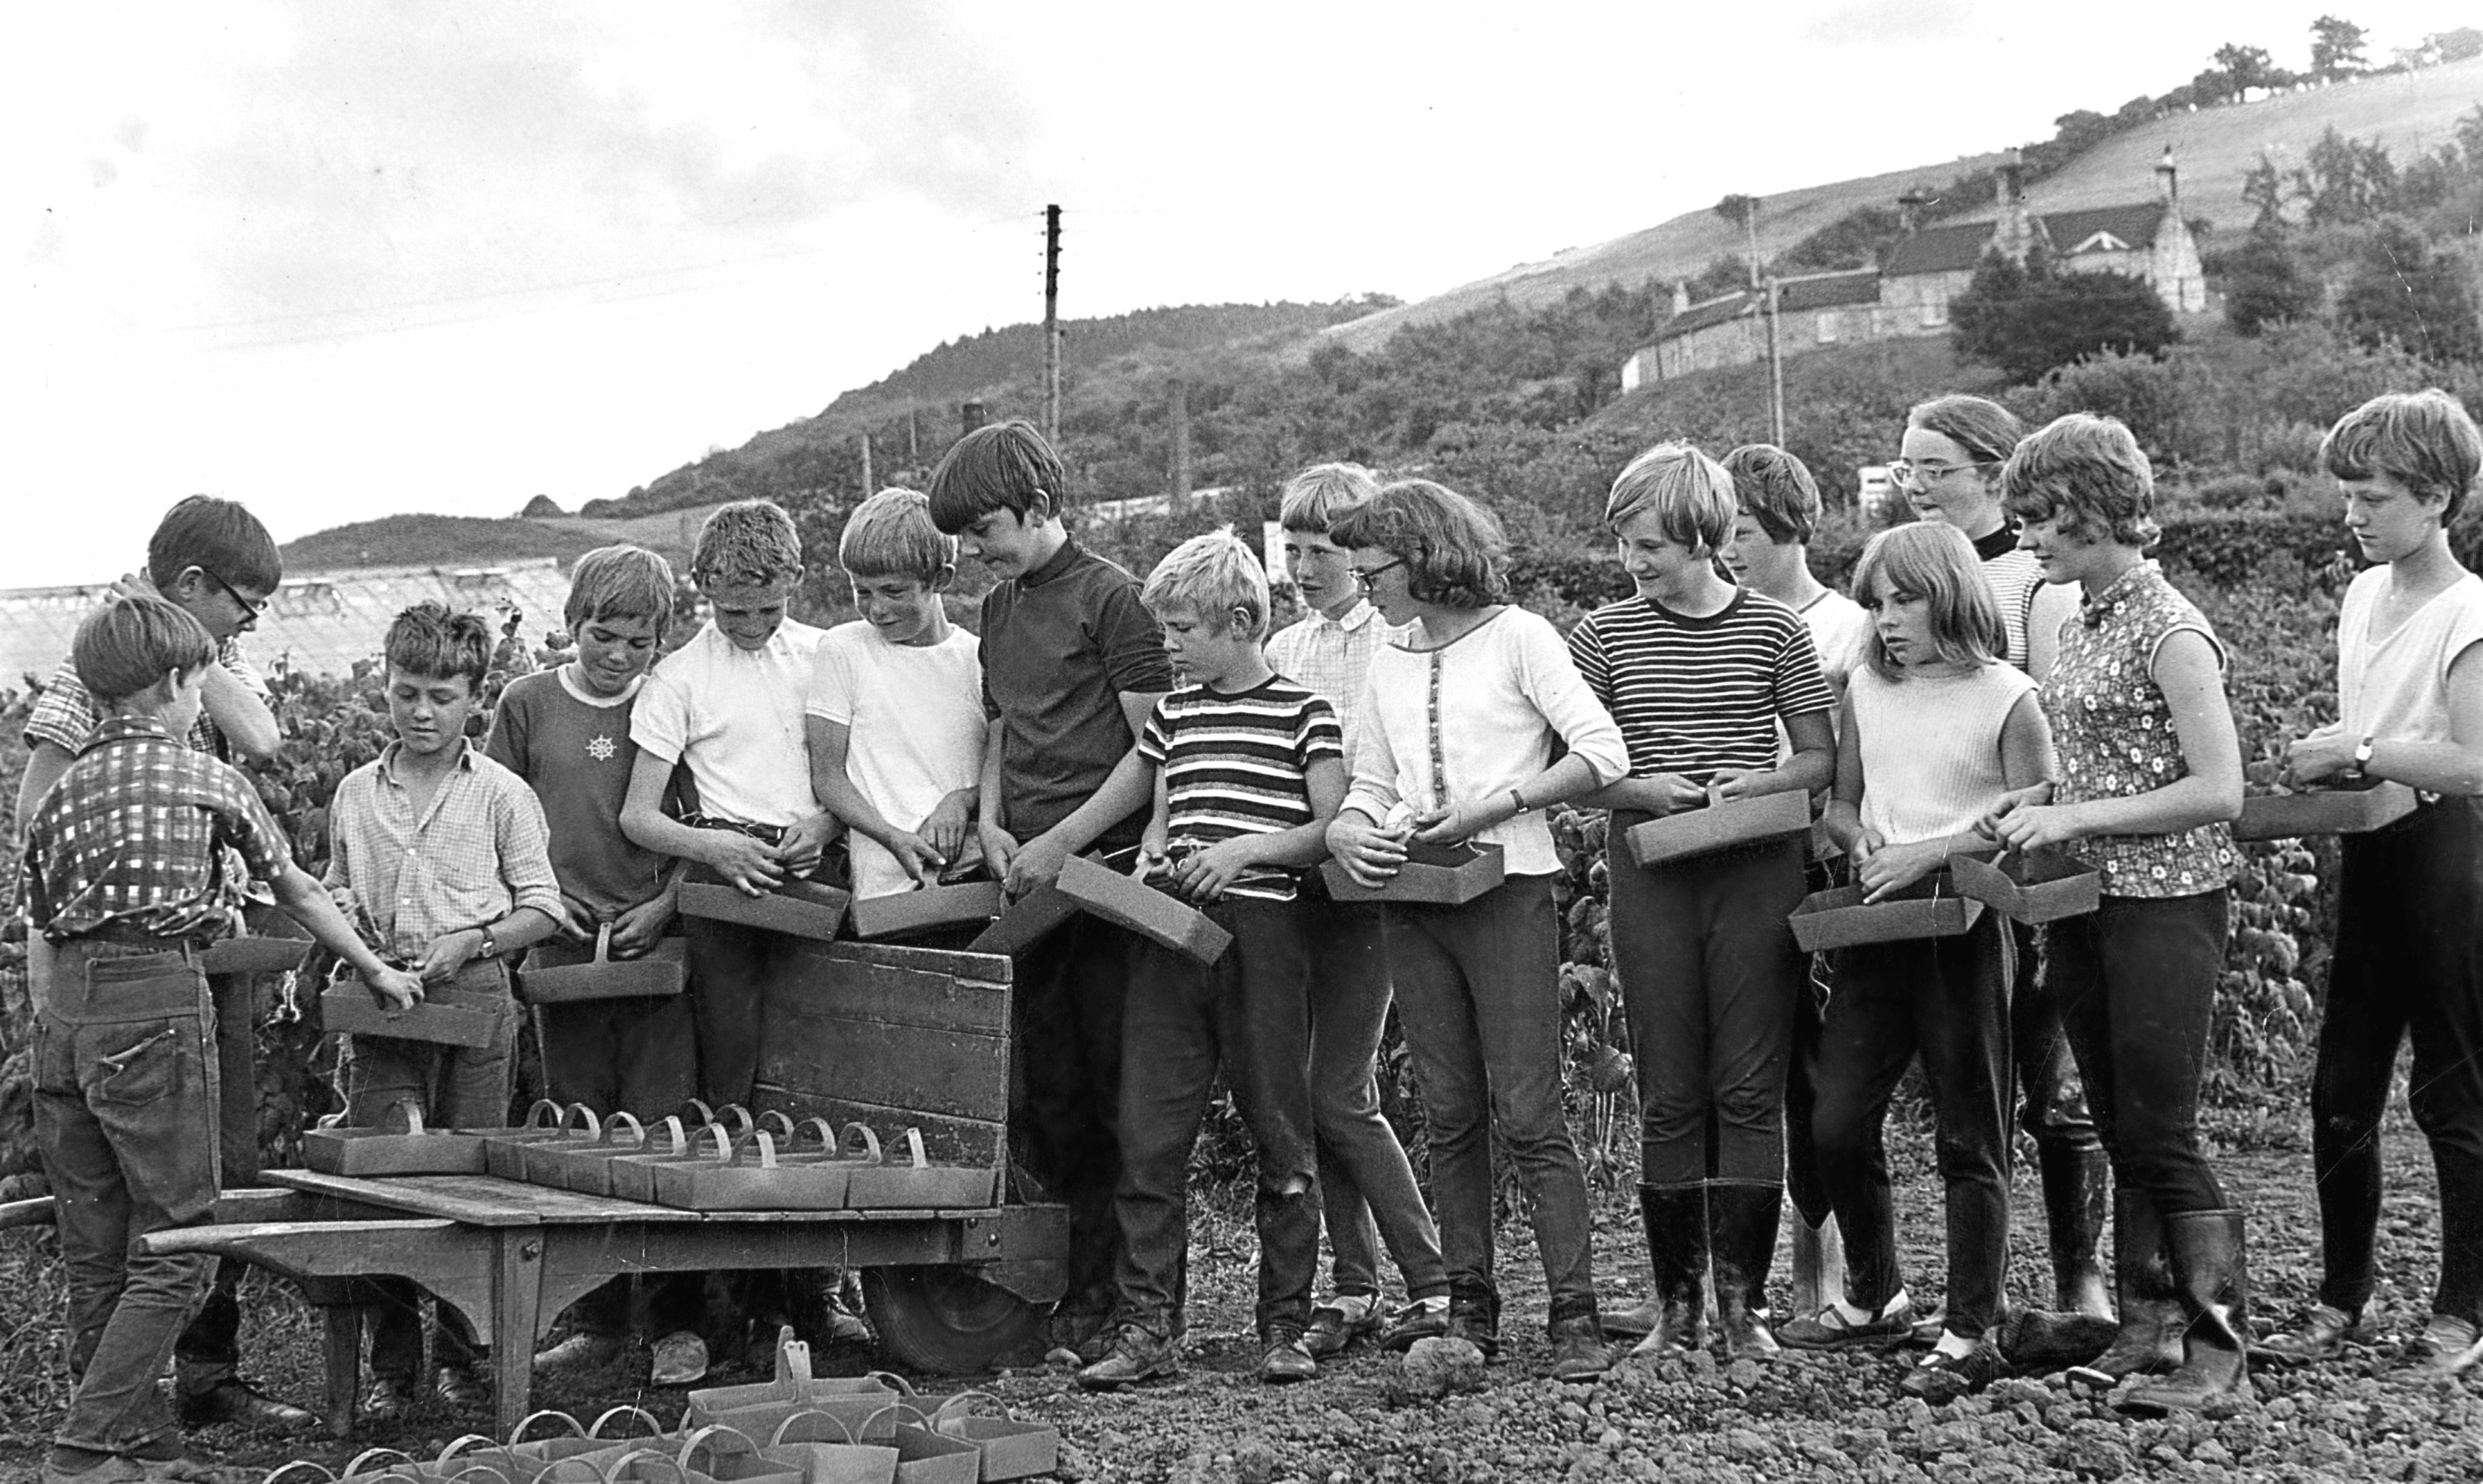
(1852, 1315)
(1356, 1306)
(1954, 1345)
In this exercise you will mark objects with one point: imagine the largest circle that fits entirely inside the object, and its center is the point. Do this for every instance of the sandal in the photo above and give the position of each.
(1830, 1330)
(2321, 1333)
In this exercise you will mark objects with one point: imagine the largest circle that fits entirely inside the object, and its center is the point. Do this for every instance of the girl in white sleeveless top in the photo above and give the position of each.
(1939, 729)
(2410, 899)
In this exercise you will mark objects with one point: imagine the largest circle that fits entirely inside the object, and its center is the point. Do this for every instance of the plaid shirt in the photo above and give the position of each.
(1331, 659)
(65, 713)
(135, 834)
(479, 852)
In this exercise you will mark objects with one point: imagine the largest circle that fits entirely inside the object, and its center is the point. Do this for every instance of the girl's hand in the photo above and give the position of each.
(1888, 869)
(1203, 875)
(2325, 754)
(1449, 826)
(2034, 826)
(1988, 826)
(746, 865)
(1369, 854)
(1865, 845)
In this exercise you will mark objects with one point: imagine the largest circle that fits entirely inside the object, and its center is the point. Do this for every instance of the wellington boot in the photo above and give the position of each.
(2211, 1275)
(2150, 1337)
(1818, 1265)
(2077, 1195)
(1675, 1217)
(1741, 1236)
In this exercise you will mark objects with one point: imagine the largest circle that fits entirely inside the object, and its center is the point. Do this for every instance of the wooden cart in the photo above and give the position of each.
(891, 1036)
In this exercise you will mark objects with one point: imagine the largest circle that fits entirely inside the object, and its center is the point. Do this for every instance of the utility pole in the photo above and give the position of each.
(1775, 355)
(1181, 476)
(867, 488)
(1052, 324)
(913, 440)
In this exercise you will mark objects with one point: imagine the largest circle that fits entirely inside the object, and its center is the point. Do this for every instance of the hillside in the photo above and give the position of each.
(2408, 112)
(434, 540)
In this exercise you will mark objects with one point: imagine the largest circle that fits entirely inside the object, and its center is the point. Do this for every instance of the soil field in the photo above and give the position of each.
(1808, 1417)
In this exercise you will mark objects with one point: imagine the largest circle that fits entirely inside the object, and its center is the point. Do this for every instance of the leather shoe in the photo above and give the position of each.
(1286, 1359)
(386, 1399)
(1136, 1355)
(1333, 1331)
(458, 1387)
(578, 1352)
(235, 1400)
(680, 1359)
(1941, 1377)
(2321, 1334)
(2449, 1346)
(1422, 1320)
(1578, 1349)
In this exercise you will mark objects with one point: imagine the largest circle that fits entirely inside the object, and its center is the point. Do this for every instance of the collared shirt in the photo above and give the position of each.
(479, 852)
(2115, 734)
(65, 713)
(1331, 659)
(135, 835)
(734, 715)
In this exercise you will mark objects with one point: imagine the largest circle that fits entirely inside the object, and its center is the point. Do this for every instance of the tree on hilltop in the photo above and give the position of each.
(2336, 48)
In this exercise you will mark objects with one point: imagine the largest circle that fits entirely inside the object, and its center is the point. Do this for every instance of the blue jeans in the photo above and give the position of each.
(125, 1094)
(1249, 1010)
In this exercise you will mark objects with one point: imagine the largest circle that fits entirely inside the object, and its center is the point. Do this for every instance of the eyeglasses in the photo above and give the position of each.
(1926, 475)
(1367, 578)
(257, 610)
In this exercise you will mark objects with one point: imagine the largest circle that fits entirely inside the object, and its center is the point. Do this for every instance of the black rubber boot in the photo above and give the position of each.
(2212, 1279)
(2077, 1196)
(1742, 1241)
(1676, 1250)
(2149, 1339)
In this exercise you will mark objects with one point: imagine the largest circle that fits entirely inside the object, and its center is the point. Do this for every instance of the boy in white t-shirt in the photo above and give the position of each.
(895, 723)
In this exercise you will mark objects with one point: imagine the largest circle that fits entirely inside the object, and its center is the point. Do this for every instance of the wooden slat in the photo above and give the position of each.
(967, 1141)
(980, 967)
(923, 1044)
(891, 994)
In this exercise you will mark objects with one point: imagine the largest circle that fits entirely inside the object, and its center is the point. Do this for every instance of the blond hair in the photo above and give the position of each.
(1690, 494)
(892, 535)
(1214, 574)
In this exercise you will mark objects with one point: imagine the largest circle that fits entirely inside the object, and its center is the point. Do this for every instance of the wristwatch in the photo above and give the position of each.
(2363, 756)
(1518, 800)
(491, 945)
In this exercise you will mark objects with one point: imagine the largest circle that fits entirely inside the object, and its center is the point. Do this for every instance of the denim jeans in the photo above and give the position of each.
(125, 1094)
(1710, 974)
(1367, 1191)
(1250, 1009)
(209, 1351)
(1946, 998)
(1069, 994)
(2409, 961)
(1479, 996)
(2136, 983)
(456, 1087)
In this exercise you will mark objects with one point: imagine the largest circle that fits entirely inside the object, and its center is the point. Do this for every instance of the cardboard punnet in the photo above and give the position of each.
(1024, 922)
(1144, 911)
(1723, 824)
(1839, 918)
(803, 908)
(1435, 875)
(347, 1006)
(2043, 885)
(2275, 816)
(951, 904)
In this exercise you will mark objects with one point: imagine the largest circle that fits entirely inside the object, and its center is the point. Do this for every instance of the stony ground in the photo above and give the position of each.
(1827, 1418)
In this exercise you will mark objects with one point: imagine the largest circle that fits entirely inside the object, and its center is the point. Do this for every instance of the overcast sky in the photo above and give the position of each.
(339, 260)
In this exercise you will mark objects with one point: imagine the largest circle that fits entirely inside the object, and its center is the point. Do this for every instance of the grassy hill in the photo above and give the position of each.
(2408, 112)
(465, 540)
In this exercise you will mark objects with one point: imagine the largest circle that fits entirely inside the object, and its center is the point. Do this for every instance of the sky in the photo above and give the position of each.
(339, 259)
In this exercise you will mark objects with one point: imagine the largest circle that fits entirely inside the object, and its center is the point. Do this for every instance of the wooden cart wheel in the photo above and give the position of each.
(943, 1319)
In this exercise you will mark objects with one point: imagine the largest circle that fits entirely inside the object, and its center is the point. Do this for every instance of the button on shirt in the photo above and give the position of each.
(136, 834)
(479, 852)
(1331, 659)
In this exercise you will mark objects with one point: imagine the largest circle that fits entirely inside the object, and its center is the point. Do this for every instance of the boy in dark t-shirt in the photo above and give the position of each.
(1072, 668)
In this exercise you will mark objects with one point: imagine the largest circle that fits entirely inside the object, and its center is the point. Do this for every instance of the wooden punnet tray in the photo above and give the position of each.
(1142, 909)
(412, 1150)
(2043, 886)
(913, 1180)
(1024, 922)
(347, 1006)
(659, 972)
(2323, 812)
(504, 1149)
(1435, 875)
(804, 909)
(1723, 825)
(247, 955)
(743, 1175)
(1838, 919)
(953, 904)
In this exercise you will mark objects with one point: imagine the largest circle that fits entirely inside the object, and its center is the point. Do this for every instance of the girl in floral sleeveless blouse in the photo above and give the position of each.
(2150, 775)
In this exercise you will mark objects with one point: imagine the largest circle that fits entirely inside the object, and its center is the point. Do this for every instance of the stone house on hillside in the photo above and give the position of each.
(1928, 269)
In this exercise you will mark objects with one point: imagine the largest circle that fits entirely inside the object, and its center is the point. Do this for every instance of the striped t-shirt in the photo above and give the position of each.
(1699, 696)
(1240, 764)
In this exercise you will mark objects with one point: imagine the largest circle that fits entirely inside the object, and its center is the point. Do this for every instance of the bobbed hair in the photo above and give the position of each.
(748, 543)
(619, 582)
(429, 641)
(2088, 474)
(1690, 494)
(1000, 465)
(1211, 575)
(2423, 440)
(1454, 550)
(1777, 491)
(892, 535)
(1987, 431)
(1934, 562)
(1318, 497)
(217, 536)
(131, 642)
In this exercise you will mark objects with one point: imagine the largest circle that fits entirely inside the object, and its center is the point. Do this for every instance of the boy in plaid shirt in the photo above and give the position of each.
(126, 882)
(446, 855)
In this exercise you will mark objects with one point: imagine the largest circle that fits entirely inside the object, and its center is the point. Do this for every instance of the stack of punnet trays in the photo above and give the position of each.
(710, 1161)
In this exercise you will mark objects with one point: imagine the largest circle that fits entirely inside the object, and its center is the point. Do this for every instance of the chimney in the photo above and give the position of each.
(2012, 234)
(1909, 211)
(1680, 296)
(1180, 441)
(969, 415)
(2168, 180)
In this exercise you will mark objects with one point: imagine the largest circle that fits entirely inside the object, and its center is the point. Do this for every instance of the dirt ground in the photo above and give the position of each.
(1807, 1417)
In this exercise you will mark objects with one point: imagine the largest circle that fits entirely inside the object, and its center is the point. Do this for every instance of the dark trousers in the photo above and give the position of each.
(1710, 974)
(730, 965)
(2409, 907)
(125, 1100)
(2136, 983)
(1804, 1187)
(1071, 989)
(1250, 1012)
(2054, 1113)
(1366, 1189)
(636, 1056)
(1480, 999)
(456, 1087)
(1946, 998)
(209, 1351)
